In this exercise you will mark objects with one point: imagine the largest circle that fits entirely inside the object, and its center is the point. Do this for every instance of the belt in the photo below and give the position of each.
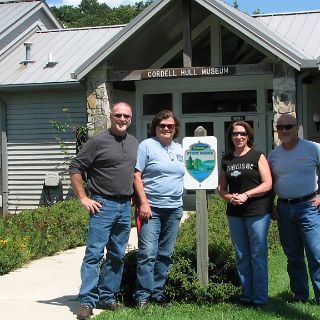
(298, 200)
(115, 198)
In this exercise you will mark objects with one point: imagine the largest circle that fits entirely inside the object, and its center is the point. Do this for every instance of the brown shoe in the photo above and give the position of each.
(85, 312)
(113, 306)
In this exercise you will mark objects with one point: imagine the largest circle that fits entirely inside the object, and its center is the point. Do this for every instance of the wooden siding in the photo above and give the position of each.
(32, 146)
(2, 127)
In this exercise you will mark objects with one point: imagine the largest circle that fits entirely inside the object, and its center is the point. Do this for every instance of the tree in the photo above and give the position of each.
(91, 13)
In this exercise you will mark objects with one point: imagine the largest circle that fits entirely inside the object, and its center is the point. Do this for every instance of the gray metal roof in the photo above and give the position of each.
(152, 32)
(251, 28)
(69, 48)
(258, 32)
(13, 13)
(300, 29)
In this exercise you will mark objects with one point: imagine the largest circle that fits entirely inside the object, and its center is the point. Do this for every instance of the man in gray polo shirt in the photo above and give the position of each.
(108, 159)
(295, 167)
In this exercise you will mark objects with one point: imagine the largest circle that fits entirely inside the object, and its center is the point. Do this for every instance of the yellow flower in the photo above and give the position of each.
(4, 241)
(26, 238)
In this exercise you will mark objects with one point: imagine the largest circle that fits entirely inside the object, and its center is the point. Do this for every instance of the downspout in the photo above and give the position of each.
(299, 108)
(4, 160)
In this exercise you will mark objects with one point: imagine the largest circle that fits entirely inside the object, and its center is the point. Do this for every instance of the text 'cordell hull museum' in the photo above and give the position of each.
(207, 61)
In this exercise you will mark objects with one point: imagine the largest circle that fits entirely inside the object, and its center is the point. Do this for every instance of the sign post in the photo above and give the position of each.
(200, 156)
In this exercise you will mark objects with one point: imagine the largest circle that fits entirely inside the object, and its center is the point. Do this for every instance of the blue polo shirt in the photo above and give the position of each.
(162, 171)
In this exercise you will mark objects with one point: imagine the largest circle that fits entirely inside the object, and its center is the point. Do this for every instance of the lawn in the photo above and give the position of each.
(278, 307)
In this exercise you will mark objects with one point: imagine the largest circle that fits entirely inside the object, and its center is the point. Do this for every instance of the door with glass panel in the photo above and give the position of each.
(216, 126)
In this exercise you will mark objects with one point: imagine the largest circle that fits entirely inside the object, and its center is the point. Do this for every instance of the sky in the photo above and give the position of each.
(265, 6)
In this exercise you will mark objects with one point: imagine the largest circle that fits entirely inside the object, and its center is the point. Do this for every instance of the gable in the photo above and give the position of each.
(159, 27)
(17, 16)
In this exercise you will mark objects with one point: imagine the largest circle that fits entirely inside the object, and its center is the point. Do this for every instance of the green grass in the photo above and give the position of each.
(278, 306)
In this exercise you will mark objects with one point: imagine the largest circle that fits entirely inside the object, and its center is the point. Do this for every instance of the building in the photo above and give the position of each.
(207, 61)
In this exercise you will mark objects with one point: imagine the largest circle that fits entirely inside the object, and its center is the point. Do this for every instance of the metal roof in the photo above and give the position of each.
(258, 32)
(251, 28)
(300, 29)
(152, 32)
(13, 13)
(69, 48)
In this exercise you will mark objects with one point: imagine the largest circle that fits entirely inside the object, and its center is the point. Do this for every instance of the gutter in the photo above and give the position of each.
(309, 63)
(42, 86)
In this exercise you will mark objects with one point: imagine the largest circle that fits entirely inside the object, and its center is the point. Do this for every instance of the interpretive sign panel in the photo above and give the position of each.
(200, 159)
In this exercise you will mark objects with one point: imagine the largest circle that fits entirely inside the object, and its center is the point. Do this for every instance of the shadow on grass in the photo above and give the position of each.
(283, 307)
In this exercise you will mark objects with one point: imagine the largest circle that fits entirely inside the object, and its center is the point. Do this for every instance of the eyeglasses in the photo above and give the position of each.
(241, 133)
(164, 125)
(120, 115)
(284, 126)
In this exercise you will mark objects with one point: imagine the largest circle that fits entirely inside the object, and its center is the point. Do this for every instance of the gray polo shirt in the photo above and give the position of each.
(109, 162)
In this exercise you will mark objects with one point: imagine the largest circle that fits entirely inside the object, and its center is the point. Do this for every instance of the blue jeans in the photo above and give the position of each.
(156, 241)
(110, 229)
(249, 236)
(299, 230)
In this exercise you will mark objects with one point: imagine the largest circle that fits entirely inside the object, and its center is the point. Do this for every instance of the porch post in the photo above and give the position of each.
(99, 94)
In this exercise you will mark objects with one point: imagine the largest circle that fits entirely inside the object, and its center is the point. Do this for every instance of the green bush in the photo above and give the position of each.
(182, 284)
(32, 234)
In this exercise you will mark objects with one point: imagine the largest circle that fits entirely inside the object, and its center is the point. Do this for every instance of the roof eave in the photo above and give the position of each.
(124, 34)
(42, 86)
(309, 64)
(283, 51)
(261, 38)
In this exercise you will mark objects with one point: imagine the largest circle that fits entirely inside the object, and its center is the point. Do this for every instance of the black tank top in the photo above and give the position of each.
(242, 174)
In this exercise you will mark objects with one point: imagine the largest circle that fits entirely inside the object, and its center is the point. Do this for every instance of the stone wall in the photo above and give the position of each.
(99, 95)
(284, 92)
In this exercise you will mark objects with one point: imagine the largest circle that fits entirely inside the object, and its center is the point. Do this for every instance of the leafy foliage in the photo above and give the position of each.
(32, 234)
(91, 13)
(182, 284)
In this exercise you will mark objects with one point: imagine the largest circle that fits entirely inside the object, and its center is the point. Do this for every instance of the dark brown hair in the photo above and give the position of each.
(249, 131)
(164, 114)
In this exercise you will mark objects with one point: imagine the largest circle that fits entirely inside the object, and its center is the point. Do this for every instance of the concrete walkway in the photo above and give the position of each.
(46, 288)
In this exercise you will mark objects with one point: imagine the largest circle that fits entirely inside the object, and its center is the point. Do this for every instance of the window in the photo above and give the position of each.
(215, 102)
(190, 127)
(153, 103)
(269, 105)
(236, 51)
(201, 53)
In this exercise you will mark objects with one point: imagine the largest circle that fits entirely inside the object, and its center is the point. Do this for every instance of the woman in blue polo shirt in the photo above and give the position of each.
(158, 182)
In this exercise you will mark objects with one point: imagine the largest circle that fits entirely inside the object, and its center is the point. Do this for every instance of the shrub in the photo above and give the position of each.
(182, 284)
(41, 232)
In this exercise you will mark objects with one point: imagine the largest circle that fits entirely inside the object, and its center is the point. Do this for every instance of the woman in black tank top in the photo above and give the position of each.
(245, 183)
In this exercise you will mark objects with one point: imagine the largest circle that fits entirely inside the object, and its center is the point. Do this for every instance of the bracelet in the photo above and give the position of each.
(246, 195)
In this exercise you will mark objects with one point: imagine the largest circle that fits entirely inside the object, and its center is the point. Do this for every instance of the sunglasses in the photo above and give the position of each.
(164, 125)
(241, 133)
(119, 115)
(284, 126)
